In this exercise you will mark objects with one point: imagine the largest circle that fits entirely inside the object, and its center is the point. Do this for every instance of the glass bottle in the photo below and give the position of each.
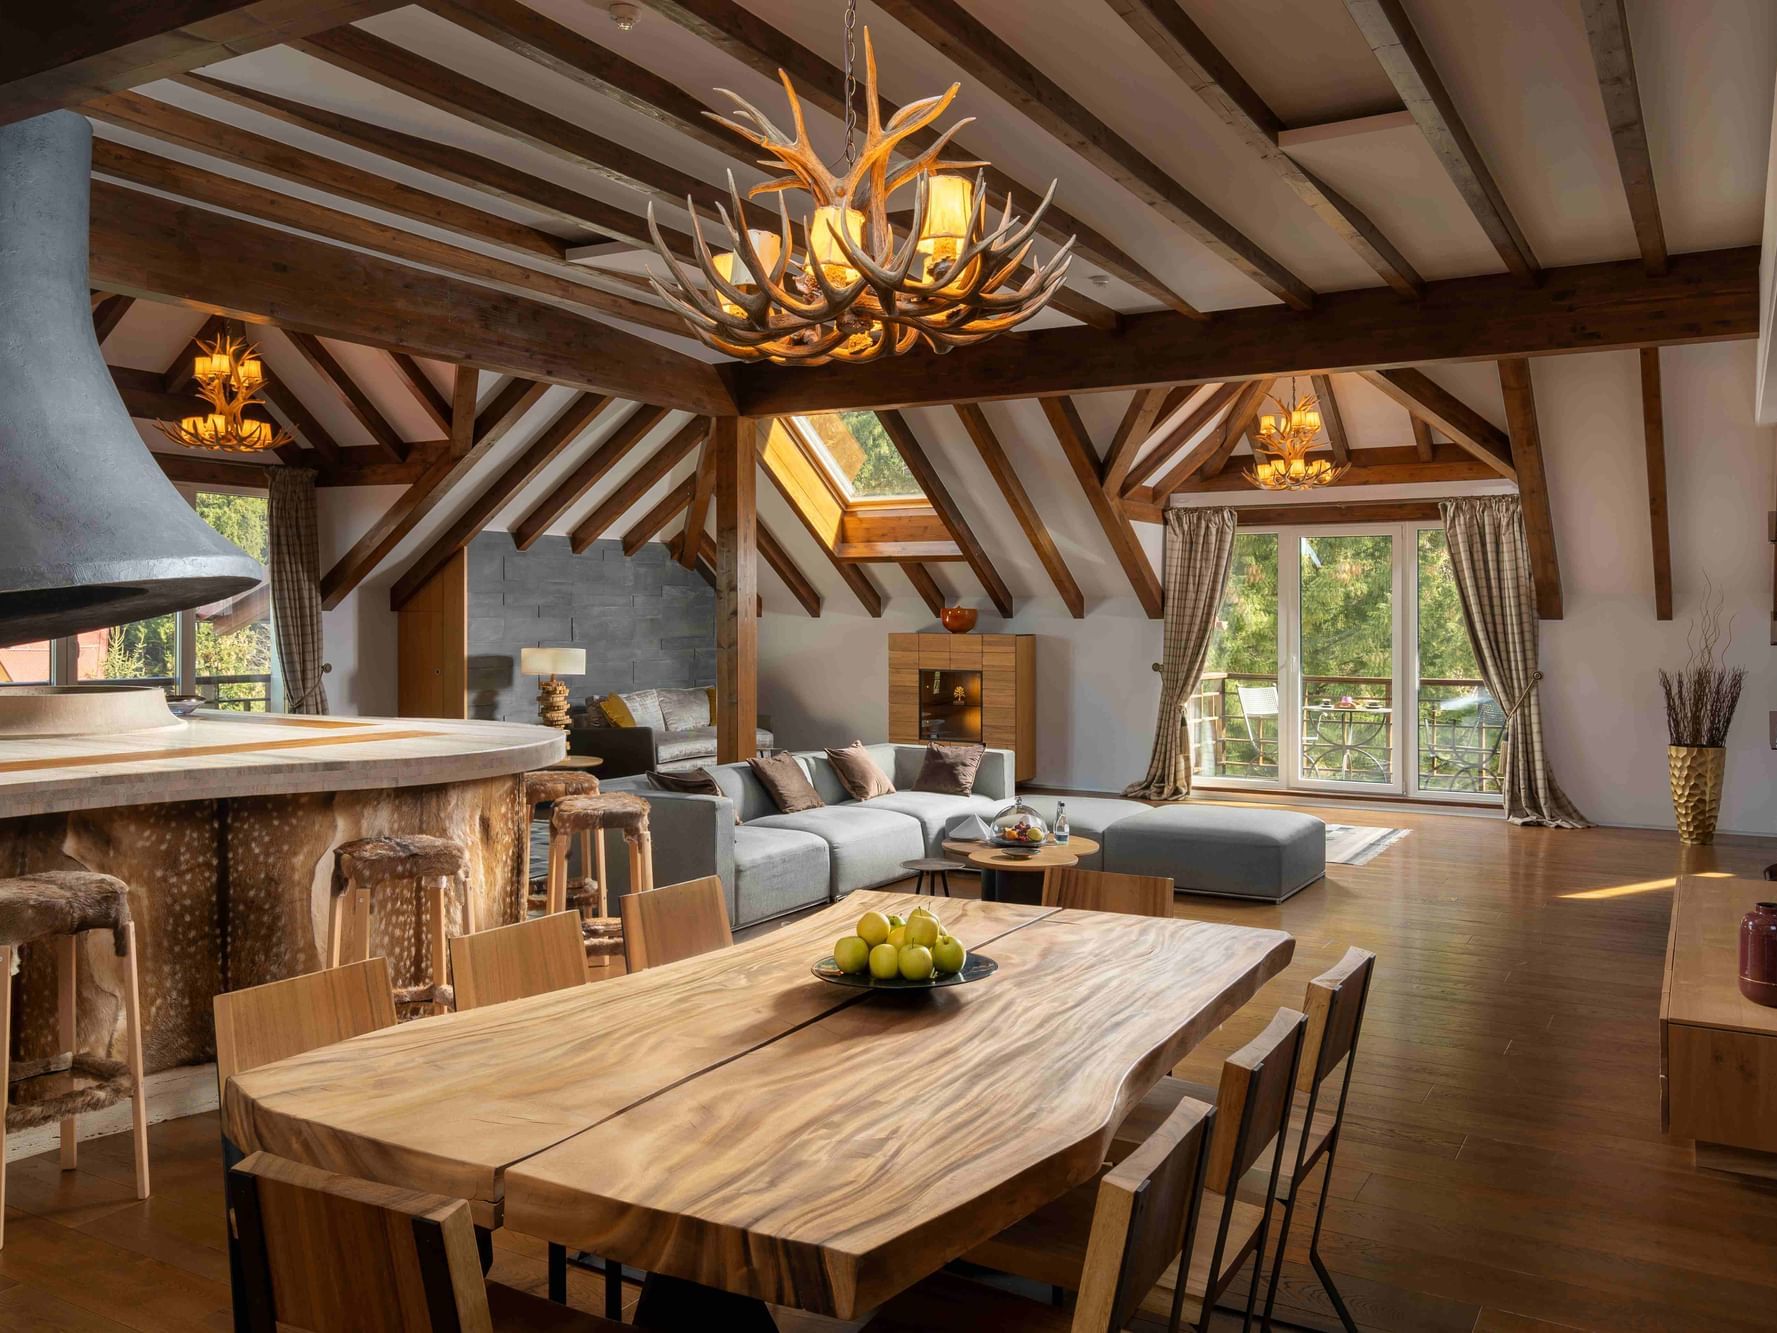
(1060, 829)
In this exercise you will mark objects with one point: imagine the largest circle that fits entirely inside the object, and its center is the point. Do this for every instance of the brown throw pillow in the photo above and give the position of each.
(950, 769)
(858, 773)
(788, 785)
(691, 782)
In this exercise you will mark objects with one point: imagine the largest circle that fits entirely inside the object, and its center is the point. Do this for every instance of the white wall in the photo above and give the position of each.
(358, 636)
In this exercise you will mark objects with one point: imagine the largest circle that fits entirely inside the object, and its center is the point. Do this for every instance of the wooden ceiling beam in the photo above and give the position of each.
(1332, 418)
(1425, 398)
(433, 403)
(1519, 392)
(1335, 512)
(697, 511)
(925, 585)
(296, 418)
(62, 56)
(357, 402)
(1706, 296)
(181, 372)
(629, 433)
(629, 492)
(1145, 408)
(990, 62)
(108, 314)
(1384, 465)
(919, 463)
(145, 399)
(786, 569)
(1189, 53)
(1390, 34)
(1237, 425)
(764, 49)
(1064, 420)
(895, 552)
(513, 400)
(1653, 427)
(1607, 29)
(562, 282)
(485, 174)
(646, 528)
(143, 245)
(1183, 433)
(1422, 441)
(1011, 485)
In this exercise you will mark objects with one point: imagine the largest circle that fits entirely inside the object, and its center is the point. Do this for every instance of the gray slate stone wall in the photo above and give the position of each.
(643, 620)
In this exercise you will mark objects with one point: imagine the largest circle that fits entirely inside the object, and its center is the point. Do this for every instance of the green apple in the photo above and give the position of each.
(885, 962)
(916, 962)
(948, 954)
(851, 954)
(894, 920)
(873, 928)
(898, 936)
(922, 930)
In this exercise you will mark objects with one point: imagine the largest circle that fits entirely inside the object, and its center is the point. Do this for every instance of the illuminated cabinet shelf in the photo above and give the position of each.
(966, 687)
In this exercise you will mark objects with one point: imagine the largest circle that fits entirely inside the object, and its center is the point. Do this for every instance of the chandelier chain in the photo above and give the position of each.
(851, 79)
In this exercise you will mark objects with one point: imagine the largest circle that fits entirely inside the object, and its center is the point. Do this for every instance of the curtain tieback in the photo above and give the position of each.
(1523, 694)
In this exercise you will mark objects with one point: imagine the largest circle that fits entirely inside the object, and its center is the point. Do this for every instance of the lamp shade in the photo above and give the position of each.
(552, 661)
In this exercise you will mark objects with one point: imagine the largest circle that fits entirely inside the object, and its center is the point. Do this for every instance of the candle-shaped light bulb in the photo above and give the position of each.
(824, 233)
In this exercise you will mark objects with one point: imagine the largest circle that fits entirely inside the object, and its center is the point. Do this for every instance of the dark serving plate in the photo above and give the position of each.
(975, 967)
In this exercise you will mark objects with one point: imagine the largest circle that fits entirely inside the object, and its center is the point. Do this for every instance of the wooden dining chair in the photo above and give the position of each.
(677, 921)
(283, 1018)
(1051, 1245)
(512, 962)
(1143, 1220)
(1334, 1003)
(324, 1253)
(1107, 891)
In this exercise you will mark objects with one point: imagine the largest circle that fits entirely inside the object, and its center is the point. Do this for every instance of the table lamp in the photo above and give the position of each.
(552, 695)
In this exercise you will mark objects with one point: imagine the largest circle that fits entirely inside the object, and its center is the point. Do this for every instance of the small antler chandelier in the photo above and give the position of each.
(231, 377)
(860, 288)
(1280, 461)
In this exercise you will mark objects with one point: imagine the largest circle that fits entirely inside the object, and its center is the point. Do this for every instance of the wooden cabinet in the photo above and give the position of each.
(1718, 1050)
(973, 687)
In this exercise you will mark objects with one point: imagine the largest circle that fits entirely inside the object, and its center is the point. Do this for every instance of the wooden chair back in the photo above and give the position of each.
(676, 921)
(1254, 1101)
(324, 1253)
(1106, 891)
(1335, 1008)
(1144, 1219)
(283, 1018)
(511, 962)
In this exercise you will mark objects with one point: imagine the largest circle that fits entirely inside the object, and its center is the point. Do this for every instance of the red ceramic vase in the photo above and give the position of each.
(957, 619)
(1758, 954)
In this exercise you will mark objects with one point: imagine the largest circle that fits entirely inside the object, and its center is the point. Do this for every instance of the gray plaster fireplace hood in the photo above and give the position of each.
(91, 532)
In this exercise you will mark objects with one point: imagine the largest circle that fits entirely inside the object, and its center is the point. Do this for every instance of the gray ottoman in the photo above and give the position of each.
(1265, 854)
(1089, 816)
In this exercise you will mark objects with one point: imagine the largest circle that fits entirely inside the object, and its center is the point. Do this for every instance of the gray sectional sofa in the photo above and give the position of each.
(772, 863)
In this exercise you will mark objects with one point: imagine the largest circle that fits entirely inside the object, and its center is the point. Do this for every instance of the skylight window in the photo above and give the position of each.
(859, 456)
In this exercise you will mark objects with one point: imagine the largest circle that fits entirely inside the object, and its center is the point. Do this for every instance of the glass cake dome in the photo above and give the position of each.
(1019, 826)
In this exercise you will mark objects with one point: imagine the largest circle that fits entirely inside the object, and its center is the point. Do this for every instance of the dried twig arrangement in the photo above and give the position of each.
(1702, 695)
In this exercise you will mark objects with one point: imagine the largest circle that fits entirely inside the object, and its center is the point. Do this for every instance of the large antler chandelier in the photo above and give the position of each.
(860, 287)
(1280, 449)
(230, 377)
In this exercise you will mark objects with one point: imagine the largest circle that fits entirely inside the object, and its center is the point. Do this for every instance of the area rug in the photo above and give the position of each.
(1356, 845)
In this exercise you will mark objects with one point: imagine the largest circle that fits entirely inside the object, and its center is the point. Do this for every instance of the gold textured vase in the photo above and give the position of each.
(1696, 789)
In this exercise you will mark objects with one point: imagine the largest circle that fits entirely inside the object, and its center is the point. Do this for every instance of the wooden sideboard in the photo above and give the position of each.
(997, 674)
(1718, 1050)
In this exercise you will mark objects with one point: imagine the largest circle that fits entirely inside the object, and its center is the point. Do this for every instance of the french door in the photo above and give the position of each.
(1340, 663)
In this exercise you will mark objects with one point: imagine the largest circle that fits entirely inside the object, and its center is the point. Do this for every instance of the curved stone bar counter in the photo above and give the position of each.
(224, 826)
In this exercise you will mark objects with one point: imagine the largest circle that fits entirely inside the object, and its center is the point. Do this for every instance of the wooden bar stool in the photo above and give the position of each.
(588, 817)
(63, 905)
(545, 786)
(361, 868)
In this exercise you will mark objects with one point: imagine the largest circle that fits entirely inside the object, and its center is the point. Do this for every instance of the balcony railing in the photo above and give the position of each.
(242, 694)
(1348, 730)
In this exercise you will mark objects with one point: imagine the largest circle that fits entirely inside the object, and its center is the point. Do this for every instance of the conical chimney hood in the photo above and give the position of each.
(91, 532)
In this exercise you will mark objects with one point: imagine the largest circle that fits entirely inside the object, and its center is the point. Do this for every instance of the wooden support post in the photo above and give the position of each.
(1653, 426)
(737, 588)
(1533, 485)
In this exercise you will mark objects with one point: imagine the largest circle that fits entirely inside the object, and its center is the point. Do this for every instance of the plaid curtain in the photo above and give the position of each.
(296, 587)
(1199, 549)
(1492, 566)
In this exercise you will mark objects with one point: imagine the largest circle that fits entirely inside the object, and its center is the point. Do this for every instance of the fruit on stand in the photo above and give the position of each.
(852, 954)
(898, 936)
(922, 930)
(885, 962)
(1023, 831)
(916, 962)
(948, 955)
(873, 928)
(915, 948)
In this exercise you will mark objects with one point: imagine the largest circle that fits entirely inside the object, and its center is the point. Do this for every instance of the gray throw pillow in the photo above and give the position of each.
(685, 709)
(644, 707)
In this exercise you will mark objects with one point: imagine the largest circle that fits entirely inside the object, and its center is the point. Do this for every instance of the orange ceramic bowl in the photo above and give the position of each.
(958, 619)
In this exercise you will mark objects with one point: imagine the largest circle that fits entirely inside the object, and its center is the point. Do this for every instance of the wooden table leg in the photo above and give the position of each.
(673, 1303)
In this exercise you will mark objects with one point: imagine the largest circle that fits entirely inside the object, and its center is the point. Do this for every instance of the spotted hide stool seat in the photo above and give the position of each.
(62, 905)
(546, 786)
(590, 817)
(438, 868)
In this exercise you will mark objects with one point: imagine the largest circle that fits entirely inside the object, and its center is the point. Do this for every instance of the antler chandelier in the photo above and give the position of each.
(1280, 461)
(860, 288)
(230, 376)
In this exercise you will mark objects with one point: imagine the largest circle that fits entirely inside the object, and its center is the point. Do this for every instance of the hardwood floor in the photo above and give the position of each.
(1503, 1169)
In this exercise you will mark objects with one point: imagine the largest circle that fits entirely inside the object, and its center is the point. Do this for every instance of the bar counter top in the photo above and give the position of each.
(216, 754)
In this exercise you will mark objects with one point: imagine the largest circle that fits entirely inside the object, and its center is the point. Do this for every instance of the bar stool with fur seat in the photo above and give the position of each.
(63, 905)
(546, 786)
(366, 866)
(590, 816)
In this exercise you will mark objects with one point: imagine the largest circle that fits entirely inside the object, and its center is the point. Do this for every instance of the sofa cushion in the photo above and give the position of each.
(1089, 816)
(867, 844)
(777, 870)
(786, 782)
(684, 709)
(676, 747)
(859, 773)
(950, 769)
(1246, 853)
(935, 811)
(639, 708)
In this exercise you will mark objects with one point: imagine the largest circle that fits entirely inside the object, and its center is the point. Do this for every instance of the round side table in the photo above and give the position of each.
(1008, 876)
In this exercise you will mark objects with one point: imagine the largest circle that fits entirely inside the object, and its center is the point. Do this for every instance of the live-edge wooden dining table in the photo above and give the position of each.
(732, 1121)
